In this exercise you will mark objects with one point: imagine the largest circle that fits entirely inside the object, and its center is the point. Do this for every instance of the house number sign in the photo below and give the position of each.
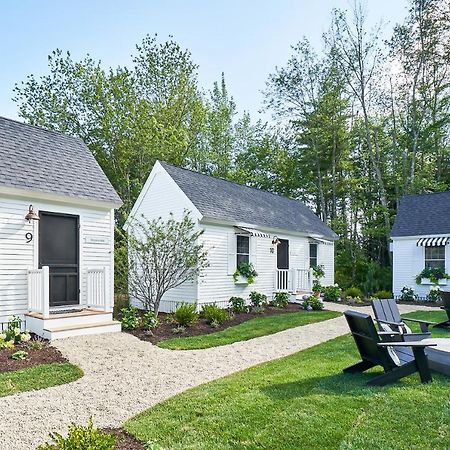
(29, 237)
(92, 239)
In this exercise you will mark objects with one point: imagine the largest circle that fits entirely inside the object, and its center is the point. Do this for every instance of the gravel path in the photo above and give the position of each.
(124, 376)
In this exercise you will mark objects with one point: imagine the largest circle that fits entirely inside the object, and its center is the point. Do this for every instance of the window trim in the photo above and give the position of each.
(242, 254)
(313, 257)
(435, 259)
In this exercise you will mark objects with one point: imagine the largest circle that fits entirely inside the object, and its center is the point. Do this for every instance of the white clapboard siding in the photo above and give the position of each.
(17, 256)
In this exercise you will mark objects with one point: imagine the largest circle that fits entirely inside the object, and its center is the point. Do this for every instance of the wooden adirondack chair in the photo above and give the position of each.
(446, 307)
(387, 313)
(375, 351)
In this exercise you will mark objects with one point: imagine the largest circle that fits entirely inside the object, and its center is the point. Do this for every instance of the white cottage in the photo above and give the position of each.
(420, 236)
(281, 237)
(56, 233)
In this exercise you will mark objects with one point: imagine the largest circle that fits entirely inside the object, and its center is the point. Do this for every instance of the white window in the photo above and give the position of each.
(242, 249)
(313, 260)
(435, 257)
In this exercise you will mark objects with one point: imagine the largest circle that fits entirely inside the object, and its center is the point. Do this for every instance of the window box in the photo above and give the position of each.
(241, 280)
(441, 282)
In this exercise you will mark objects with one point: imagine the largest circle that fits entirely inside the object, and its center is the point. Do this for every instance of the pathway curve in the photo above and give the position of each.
(124, 376)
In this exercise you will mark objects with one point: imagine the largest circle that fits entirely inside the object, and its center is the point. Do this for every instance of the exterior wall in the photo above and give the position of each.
(216, 283)
(408, 262)
(17, 256)
(160, 197)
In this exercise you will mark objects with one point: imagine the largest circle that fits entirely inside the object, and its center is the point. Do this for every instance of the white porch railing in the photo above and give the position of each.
(293, 280)
(38, 291)
(97, 289)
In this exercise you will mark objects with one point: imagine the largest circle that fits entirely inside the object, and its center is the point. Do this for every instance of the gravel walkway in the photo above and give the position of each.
(124, 376)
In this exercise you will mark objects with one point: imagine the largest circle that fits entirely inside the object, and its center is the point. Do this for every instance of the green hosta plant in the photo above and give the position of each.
(19, 355)
(434, 274)
(149, 320)
(81, 438)
(130, 318)
(246, 270)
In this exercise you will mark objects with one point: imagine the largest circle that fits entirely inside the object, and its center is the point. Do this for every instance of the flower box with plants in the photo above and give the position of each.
(432, 275)
(245, 274)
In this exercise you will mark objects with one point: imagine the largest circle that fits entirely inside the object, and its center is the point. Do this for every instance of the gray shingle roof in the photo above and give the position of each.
(47, 161)
(224, 200)
(425, 214)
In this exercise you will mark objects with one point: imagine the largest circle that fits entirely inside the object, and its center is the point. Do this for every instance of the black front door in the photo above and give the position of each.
(283, 254)
(58, 249)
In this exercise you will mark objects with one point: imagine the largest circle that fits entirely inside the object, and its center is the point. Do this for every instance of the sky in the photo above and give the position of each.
(244, 39)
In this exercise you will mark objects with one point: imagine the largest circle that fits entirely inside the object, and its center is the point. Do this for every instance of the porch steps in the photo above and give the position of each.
(59, 326)
(110, 326)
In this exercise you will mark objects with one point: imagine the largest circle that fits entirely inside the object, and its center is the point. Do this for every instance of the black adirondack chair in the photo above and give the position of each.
(446, 307)
(387, 313)
(376, 350)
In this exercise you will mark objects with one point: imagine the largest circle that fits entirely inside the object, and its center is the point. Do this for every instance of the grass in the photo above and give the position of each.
(303, 401)
(260, 326)
(38, 377)
(432, 316)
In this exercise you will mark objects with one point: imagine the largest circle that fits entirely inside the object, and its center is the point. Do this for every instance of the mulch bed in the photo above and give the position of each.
(124, 440)
(46, 355)
(165, 329)
(369, 303)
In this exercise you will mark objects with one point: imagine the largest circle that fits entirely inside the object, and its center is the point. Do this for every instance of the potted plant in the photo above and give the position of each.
(432, 275)
(245, 273)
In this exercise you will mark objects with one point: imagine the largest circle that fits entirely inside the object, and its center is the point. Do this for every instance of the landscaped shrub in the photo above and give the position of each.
(383, 294)
(214, 315)
(407, 294)
(353, 292)
(149, 320)
(257, 299)
(12, 335)
(280, 300)
(331, 293)
(312, 303)
(246, 270)
(130, 318)
(186, 314)
(434, 295)
(237, 304)
(19, 355)
(81, 438)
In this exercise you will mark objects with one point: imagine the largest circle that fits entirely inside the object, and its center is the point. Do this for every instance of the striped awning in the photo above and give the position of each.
(252, 232)
(316, 240)
(433, 242)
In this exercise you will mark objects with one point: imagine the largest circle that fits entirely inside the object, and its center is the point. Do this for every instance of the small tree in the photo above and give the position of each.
(162, 256)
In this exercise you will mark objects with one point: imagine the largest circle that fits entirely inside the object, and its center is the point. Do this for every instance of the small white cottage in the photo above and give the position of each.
(56, 233)
(420, 238)
(281, 237)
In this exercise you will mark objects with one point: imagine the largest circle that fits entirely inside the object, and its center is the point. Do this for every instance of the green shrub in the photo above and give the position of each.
(312, 303)
(331, 293)
(434, 295)
(353, 292)
(383, 294)
(19, 355)
(246, 270)
(237, 304)
(186, 314)
(81, 438)
(214, 315)
(130, 318)
(407, 294)
(149, 320)
(257, 300)
(280, 299)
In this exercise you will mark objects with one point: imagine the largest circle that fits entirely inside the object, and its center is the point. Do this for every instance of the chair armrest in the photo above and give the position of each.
(416, 344)
(445, 309)
(389, 333)
(418, 321)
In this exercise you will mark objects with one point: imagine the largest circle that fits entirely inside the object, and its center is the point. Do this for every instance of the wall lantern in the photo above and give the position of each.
(275, 242)
(31, 215)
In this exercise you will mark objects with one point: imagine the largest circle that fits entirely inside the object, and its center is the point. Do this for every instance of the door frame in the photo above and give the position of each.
(78, 252)
(287, 254)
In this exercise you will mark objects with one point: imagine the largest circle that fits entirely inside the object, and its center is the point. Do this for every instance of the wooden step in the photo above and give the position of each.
(81, 327)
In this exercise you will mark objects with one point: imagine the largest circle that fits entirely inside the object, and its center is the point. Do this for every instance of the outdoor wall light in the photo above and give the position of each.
(276, 241)
(31, 215)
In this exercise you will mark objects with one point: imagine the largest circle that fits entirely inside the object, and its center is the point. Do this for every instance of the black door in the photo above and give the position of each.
(58, 249)
(283, 254)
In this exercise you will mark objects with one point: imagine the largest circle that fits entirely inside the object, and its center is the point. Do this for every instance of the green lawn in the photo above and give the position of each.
(432, 316)
(303, 401)
(38, 377)
(260, 326)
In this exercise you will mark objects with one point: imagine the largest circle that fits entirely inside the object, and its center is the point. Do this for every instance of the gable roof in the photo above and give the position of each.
(425, 214)
(221, 199)
(36, 159)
